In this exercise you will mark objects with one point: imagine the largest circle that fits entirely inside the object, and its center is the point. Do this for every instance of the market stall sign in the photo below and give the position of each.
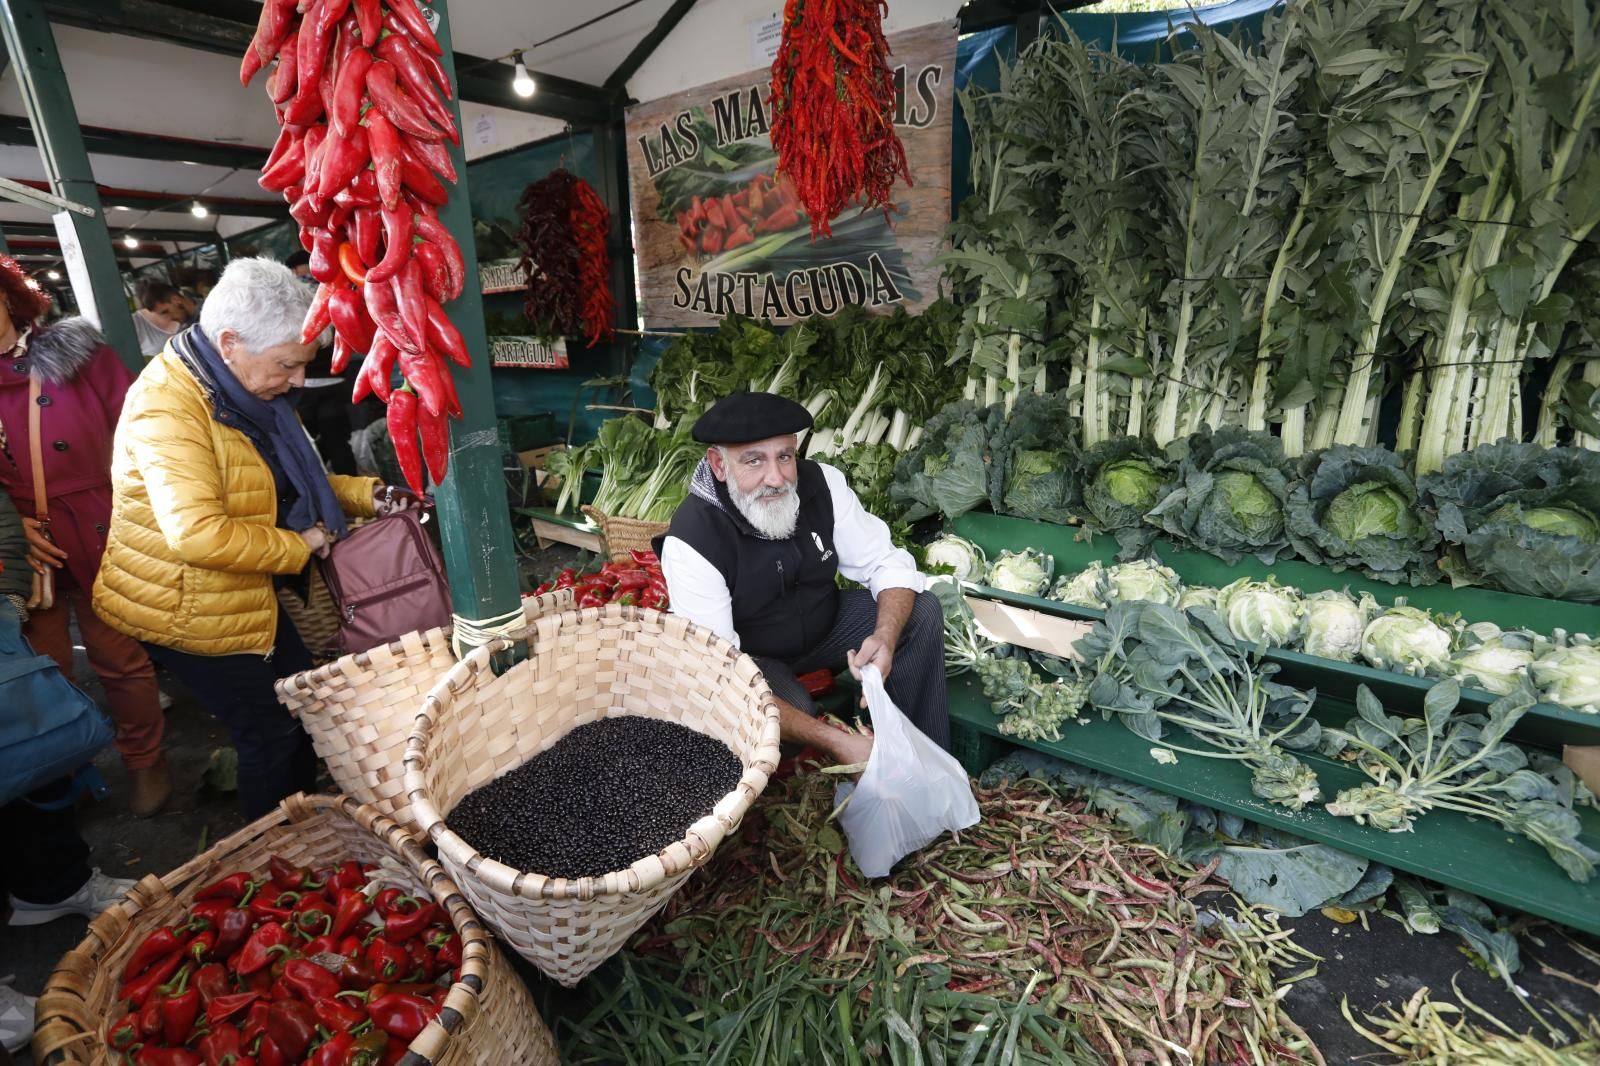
(501, 275)
(528, 353)
(717, 234)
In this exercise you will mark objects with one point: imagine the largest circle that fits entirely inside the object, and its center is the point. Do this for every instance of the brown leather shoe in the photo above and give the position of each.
(149, 789)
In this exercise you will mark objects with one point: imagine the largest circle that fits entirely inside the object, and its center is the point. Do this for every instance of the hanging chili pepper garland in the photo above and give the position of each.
(563, 237)
(833, 108)
(360, 94)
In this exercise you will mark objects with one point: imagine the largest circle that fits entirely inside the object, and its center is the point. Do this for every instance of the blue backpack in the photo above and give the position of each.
(48, 725)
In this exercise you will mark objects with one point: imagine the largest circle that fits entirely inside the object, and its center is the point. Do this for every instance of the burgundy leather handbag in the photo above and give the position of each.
(386, 579)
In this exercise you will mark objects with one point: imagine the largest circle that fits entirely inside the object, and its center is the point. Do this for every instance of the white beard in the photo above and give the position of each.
(774, 513)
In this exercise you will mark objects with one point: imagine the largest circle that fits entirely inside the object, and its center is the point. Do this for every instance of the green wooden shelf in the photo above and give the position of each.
(1546, 725)
(994, 532)
(1452, 849)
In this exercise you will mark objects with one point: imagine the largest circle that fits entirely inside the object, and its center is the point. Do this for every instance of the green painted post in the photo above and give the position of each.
(474, 516)
(5, 248)
(32, 47)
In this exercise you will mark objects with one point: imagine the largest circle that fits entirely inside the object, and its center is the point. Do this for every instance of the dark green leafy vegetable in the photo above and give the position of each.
(1229, 495)
(1358, 507)
(948, 471)
(1034, 470)
(1122, 480)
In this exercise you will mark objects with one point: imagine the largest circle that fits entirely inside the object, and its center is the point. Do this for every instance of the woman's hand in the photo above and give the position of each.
(316, 539)
(391, 499)
(42, 551)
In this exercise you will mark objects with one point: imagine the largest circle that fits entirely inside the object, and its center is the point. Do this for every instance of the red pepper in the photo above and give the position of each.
(418, 81)
(401, 1015)
(387, 960)
(407, 19)
(412, 301)
(310, 981)
(350, 946)
(226, 1008)
(566, 578)
(316, 37)
(348, 313)
(435, 273)
(156, 946)
(348, 91)
(324, 256)
(344, 157)
(288, 169)
(432, 230)
(633, 580)
(283, 81)
(442, 333)
(433, 155)
(139, 990)
(255, 1022)
(212, 982)
(368, 232)
(317, 318)
(180, 1006)
(350, 909)
(335, 1016)
(260, 948)
(285, 874)
(307, 105)
(200, 948)
(397, 244)
(335, 1051)
(376, 375)
(310, 212)
(348, 875)
(322, 945)
(232, 931)
(424, 373)
(423, 964)
(590, 599)
(167, 1056)
(272, 27)
(382, 304)
(267, 912)
(419, 180)
(292, 1026)
(447, 944)
(123, 1032)
(355, 974)
(435, 432)
(269, 1054)
(403, 435)
(222, 1046)
(313, 913)
(388, 154)
(369, 18)
(397, 105)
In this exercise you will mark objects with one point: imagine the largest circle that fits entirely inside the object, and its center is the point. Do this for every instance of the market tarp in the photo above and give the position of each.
(711, 144)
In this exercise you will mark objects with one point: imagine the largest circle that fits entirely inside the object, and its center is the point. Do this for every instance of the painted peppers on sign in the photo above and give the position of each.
(719, 233)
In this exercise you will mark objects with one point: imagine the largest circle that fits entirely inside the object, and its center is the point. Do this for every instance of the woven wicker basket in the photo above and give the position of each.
(622, 535)
(582, 666)
(359, 709)
(314, 618)
(488, 1019)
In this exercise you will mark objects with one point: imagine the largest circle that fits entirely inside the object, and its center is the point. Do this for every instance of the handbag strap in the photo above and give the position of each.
(41, 505)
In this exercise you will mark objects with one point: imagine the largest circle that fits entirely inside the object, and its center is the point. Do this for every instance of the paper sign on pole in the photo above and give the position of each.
(77, 266)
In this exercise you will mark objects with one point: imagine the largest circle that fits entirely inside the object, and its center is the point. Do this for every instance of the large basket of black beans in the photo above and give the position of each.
(572, 793)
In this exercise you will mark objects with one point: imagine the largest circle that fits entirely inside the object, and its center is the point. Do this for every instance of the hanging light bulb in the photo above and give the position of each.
(53, 275)
(522, 82)
(199, 210)
(131, 241)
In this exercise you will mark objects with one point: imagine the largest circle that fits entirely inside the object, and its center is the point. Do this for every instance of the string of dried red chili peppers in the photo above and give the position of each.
(563, 238)
(833, 108)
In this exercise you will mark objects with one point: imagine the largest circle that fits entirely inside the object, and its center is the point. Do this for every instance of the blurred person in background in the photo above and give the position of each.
(218, 497)
(162, 311)
(81, 387)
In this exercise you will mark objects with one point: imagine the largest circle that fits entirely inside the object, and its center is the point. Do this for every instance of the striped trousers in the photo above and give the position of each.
(916, 678)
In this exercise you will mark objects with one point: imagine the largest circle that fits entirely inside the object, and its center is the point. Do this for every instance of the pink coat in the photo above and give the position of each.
(83, 386)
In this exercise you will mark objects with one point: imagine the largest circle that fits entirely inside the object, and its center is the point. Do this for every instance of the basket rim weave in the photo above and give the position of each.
(528, 884)
(462, 1002)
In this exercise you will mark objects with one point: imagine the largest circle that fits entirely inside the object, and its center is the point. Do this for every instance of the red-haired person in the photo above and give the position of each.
(81, 386)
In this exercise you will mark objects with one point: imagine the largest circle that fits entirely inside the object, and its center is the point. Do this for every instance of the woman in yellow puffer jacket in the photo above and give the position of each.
(218, 495)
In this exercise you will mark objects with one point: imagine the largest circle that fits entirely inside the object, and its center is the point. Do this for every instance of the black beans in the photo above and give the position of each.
(603, 797)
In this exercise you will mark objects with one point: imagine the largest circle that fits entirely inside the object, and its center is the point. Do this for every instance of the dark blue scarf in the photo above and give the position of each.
(275, 430)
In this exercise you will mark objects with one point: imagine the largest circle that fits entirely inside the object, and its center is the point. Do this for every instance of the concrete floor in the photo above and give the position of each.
(1372, 966)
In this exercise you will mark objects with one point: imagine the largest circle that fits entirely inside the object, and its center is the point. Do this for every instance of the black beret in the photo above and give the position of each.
(748, 416)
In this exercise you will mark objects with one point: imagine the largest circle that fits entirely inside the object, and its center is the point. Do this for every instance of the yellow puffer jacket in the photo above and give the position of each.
(194, 543)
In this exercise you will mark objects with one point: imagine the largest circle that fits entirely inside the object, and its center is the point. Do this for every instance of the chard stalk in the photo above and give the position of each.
(1092, 426)
(1256, 415)
(1014, 352)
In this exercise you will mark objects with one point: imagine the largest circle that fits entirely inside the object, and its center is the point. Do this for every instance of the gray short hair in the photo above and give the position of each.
(260, 300)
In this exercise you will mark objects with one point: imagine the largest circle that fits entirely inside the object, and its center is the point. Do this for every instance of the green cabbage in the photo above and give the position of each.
(1358, 507)
(1026, 572)
(948, 471)
(1197, 596)
(1570, 676)
(1261, 612)
(965, 560)
(1229, 496)
(1408, 641)
(1521, 518)
(1122, 479)
(1334, 622)
(1034, 467)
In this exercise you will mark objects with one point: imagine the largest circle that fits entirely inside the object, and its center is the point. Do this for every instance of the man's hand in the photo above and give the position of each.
(875, 651)
(42, 551)
(894, 607)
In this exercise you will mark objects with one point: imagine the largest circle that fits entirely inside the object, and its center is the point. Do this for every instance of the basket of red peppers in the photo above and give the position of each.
(633, 581)
(321, 935)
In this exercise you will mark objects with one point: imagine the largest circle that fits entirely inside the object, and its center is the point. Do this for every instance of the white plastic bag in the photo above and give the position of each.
(911, 791)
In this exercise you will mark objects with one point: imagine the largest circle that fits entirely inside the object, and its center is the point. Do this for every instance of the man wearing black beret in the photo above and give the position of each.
(753, 553)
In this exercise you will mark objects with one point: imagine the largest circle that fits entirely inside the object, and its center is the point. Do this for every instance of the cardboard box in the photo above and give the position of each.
(1585, 762)
(1027, 628)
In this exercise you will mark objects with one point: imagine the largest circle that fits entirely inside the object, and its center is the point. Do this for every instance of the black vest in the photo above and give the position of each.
(785, 597)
